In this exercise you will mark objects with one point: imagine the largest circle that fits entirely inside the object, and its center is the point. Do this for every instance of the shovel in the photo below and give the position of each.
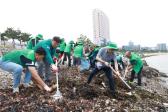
(120, 78)
(58, 94)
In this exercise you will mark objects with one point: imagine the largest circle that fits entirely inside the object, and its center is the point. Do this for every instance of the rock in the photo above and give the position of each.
(107, 102)
(150, 72)
(74, 90)
(165, 105)
(129, 93)
(108, 108)
(163, 74)
(137, 97)
(103, 84)
(145, 63)
(125, 110)
(113, 110)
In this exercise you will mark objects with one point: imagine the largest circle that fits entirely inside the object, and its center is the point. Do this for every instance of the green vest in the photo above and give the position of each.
(78, 51)
(30, 44)
(68, 48)
(137, 66)
(119, 58)
(62, 46)
(14, 56)
(94, 52)
(50, 51)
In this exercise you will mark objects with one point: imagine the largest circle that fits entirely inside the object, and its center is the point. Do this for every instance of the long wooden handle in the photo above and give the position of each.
(57, 81)
(120, 77)
(56, 63)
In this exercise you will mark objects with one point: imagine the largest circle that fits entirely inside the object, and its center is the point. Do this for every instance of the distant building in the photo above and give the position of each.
(162, 47)
(126, 48)
(131, 47)
(146, 49)
(137, 48)
(131, 44)
(101, 27)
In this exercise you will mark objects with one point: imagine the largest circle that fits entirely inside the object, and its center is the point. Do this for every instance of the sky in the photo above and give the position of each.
(144, 22)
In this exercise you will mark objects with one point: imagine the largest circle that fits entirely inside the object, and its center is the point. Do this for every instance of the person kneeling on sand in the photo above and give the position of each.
(18, 61)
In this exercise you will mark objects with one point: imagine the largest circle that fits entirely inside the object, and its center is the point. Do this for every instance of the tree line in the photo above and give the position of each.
(11, 33)
(22, 37)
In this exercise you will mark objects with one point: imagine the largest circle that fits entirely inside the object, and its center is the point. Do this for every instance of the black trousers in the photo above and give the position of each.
(108, 73)
(67, 55)
(138, 76)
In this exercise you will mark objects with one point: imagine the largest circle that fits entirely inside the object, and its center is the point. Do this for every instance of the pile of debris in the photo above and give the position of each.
(78, 96)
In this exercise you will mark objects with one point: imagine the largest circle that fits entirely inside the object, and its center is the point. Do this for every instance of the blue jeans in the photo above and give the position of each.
(16, 71)
(108, 73)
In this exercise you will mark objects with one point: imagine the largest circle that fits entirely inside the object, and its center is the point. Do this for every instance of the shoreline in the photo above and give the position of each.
(151, 63)
(146, 55)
